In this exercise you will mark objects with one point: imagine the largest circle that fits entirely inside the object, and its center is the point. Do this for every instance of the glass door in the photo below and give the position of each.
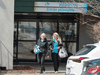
(26, 40)
(25, 37)
(27, 33)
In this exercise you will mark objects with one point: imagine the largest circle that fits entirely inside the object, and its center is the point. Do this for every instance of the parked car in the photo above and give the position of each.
(91, 67)
(76, 64)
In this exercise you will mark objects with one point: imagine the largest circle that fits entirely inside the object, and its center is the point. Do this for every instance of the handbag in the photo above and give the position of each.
(63, 53)
(36, 49)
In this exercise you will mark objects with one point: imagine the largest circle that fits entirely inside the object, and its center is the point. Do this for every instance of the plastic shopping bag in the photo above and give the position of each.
(63, 53)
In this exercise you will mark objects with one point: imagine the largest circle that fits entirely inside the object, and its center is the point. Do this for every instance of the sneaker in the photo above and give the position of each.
(43, 71)
(56, 71)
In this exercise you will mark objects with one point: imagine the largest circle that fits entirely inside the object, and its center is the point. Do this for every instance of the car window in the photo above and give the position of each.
(85, 50)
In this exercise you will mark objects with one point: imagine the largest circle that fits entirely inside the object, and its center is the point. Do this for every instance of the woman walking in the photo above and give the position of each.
(44, 48)
(55, 44)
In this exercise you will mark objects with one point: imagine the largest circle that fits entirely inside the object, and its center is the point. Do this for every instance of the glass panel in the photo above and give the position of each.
(68, 31)
(49, 28)
(70, 47)
(27, 31)
(25, 50)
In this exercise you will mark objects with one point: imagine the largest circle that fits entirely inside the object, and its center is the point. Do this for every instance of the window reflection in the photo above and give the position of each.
(70, 47)
(25, 50)
(68, 31)
(27, 31)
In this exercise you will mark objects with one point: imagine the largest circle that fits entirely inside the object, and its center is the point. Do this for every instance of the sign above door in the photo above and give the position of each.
(60, 7)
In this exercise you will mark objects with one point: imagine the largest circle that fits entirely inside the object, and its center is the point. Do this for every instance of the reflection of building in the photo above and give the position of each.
(31, 20)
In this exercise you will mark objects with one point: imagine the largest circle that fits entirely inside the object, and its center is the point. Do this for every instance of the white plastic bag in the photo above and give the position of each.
(63, 53)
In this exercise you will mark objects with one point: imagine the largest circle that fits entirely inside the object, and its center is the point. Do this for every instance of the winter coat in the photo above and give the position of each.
(52, 44)
(44, 47)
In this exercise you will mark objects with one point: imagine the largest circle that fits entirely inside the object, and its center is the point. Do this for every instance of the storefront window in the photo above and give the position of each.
(27, 31)
(68, 31)
(70, 47)
(25, 50)
(27, 36)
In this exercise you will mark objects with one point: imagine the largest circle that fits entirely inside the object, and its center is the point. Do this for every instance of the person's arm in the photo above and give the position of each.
(51, 44)
(60, 44)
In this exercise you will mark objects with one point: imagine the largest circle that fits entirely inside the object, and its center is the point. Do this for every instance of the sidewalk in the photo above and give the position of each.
(49, 70)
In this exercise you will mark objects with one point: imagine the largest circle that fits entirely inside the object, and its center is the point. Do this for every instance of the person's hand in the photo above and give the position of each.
(58, 48)
(48, 56)
(51, 49)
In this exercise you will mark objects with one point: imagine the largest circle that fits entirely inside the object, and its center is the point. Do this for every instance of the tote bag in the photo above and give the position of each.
(63, 53)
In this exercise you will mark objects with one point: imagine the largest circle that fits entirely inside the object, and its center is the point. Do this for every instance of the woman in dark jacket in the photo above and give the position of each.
(44, 48)
(55, 44)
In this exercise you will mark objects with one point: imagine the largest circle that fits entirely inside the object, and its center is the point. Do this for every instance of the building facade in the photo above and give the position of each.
(33, 17)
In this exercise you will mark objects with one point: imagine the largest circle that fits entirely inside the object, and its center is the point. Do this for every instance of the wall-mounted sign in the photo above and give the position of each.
(73, 10)
(60, 4)
(60, 7)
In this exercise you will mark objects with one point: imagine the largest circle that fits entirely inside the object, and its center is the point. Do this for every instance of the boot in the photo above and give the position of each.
(41, 71)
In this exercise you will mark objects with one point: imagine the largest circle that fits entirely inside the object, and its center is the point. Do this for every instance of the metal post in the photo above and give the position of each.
(78, 27)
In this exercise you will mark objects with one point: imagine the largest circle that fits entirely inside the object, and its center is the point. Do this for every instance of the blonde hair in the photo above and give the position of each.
(56, 34)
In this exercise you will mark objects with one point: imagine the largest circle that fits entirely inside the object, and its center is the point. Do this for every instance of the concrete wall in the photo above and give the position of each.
(84, 38)
(6, 33)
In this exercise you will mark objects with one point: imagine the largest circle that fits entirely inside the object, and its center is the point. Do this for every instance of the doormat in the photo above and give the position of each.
(22, 69)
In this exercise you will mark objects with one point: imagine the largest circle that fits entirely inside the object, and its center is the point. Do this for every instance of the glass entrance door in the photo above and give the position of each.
(28, 32)
(27, 39)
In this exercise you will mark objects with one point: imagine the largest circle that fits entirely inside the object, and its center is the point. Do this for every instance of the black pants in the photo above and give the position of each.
(56, 61)
(40, 59)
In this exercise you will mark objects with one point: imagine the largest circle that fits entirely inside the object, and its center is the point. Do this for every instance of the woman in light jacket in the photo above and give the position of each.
(55, 44)
(44, 48)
